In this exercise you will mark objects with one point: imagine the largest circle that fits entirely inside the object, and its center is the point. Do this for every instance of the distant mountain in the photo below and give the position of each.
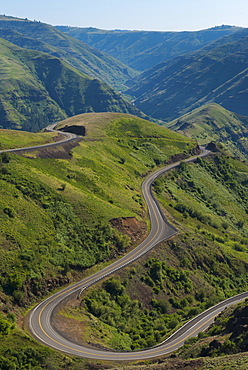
(214, 123)
(217, 73)
(43, 37)
(37, 89)
(144, 49)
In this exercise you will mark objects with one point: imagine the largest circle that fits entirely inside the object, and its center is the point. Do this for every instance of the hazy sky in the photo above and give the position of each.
(162, 15)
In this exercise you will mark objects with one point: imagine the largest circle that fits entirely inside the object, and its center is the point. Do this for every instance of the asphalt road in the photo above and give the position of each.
(68, 137)
(40, 321)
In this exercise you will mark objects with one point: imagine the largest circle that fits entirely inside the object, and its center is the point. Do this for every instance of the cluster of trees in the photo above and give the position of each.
(25, 358)
(162, 277)
(145, 326)
(112, 305)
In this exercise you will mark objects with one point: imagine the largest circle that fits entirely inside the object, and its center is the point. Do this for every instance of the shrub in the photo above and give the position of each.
(164, 306)
(5, 158)
(4, 326)
(114, 287)
(9, 212)
(173, 323)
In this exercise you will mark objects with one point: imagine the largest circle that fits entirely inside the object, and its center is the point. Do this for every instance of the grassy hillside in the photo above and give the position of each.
(10, 139)
(43, 37)
(205, 263)
(55, 216)
(216, 73)
(144, 49)
(55, 226)
(214, 123)
(37, 89)
(101, 182)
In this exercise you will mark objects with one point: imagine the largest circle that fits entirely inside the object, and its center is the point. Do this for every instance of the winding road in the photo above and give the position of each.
(40, 319)
(68, 137)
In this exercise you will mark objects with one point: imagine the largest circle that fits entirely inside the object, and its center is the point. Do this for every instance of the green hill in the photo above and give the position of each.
(216, 73)
(101, 181)
(144, 49)
(55, 215)
(214, 123)
(55, 228)
(37, 89)
(43, 37)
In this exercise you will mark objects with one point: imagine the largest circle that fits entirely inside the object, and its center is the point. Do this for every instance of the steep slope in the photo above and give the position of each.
(206, 262)
(43, 37)
(55, 224)
(217, 75)
(214, 123)
(144, 49)
(37, 89)
(226, 336)
(55, 213)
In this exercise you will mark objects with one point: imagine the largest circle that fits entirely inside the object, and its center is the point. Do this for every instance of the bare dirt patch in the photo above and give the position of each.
(130, 226)
(70, 328)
